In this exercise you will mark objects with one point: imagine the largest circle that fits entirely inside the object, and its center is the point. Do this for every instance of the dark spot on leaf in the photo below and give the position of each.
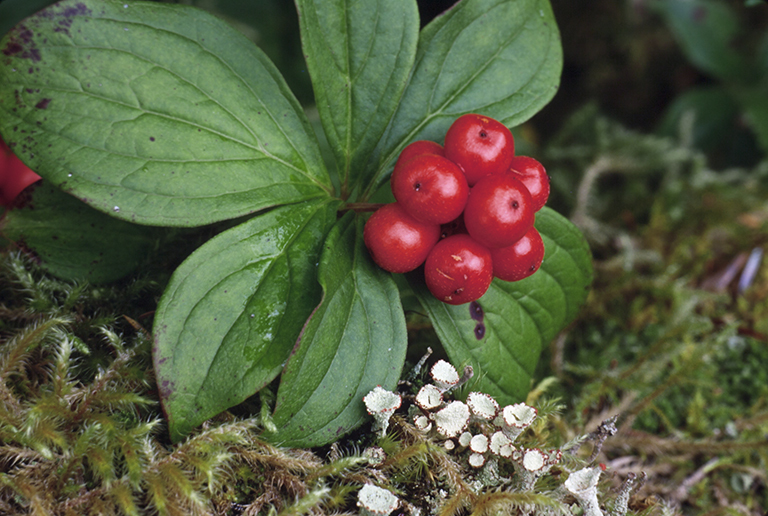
(151, 138)
(476, 311)
(66, 16)
(43, 104)
(12, 48)
(167, 388)
(21, 45)
(479, 331)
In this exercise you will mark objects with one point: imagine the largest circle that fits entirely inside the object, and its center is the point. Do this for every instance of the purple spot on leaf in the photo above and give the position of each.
(476, 311)
(21, 45)
(12, 48)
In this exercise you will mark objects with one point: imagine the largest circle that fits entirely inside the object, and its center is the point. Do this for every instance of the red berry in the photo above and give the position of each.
(519, 260)
(418, 148)
(15, 176)
(499, 210)
(398, 242)
(534, 177)
(480, 146)
(430, 188)
(458, 270)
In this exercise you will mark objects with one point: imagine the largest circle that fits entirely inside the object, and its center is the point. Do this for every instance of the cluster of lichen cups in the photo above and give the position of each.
(483, 434)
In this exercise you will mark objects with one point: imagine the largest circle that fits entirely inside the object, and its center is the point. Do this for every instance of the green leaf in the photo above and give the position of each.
(502, 340)
(233, 310)
(715, 113)
(359, 55)
(158, 114)
(354, 341)
(73, 241)
(706, 31)
(500, 58)
(754, 102)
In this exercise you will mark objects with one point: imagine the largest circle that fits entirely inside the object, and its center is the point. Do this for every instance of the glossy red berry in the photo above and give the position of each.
(430, 188)
(418, 148)
(499, 210)
(519, 260)
(15, 176)
(458, 270)
(396, 241)
(480, 146)
(534, 177)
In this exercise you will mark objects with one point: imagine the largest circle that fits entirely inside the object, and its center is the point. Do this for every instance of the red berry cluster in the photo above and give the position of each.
(465, 211)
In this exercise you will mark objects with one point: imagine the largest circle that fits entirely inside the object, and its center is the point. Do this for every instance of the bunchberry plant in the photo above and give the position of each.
(458, 270)
(431, 185)
(163, 115)
(480, 145)
(431, 188)
(396, 241)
